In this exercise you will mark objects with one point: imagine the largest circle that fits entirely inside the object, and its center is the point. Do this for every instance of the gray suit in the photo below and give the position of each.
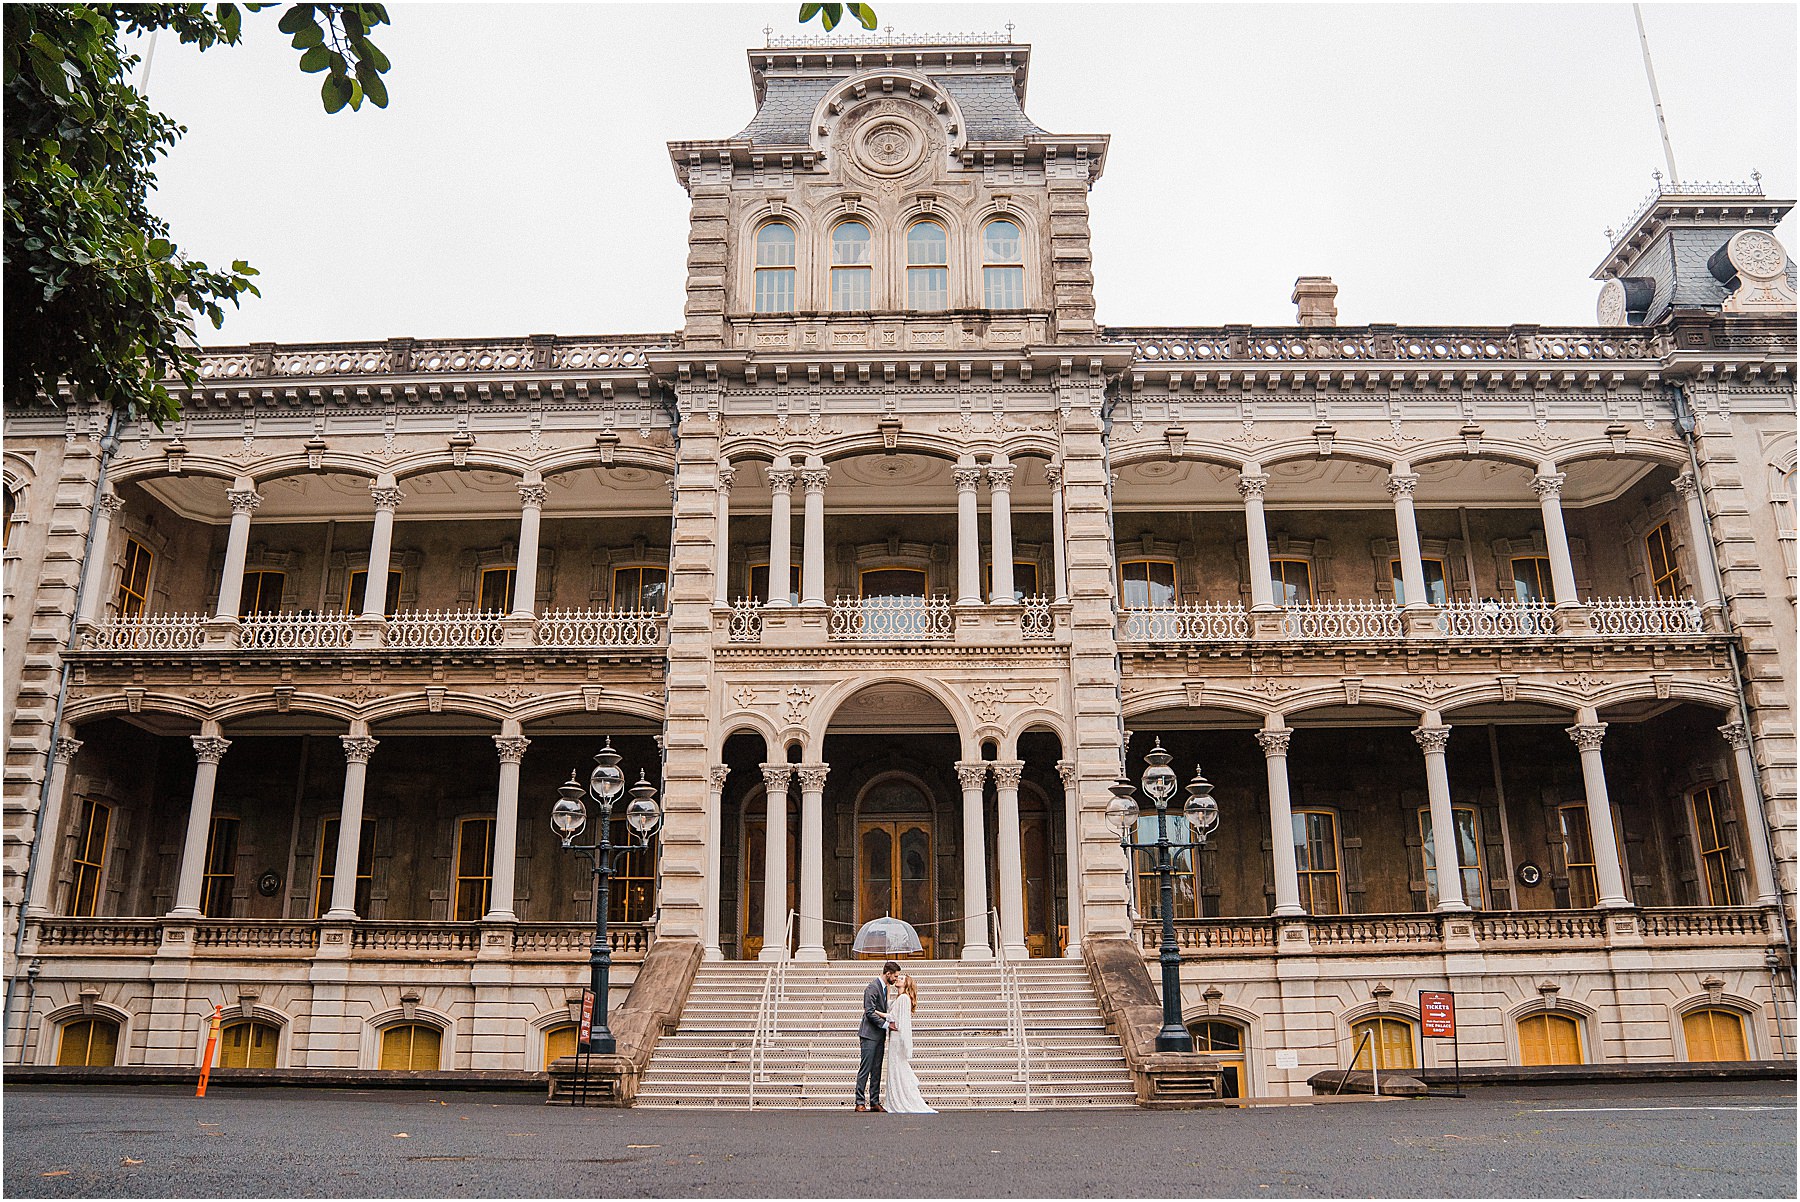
(872, 1034)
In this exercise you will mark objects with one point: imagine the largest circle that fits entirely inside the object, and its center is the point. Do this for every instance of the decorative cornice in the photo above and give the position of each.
(1588, 736)
(358, 748)
(210, 749)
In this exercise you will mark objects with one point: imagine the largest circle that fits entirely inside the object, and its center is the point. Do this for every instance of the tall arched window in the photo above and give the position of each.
(1390, 1038)
(92, 1042)
(1714, 1034)
(249, 1044)
(927, 267)
(852, 276)
(411, 1046)
(1224, 1041)
(775, 268)
(1549, 1039)
(1002, 265)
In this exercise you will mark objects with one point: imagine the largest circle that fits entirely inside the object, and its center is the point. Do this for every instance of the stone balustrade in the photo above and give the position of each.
(403, 356)
(298, 939)
(1374, 344)
(422, 630)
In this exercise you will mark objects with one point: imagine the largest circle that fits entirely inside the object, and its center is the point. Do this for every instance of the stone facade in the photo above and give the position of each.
(1520, 597)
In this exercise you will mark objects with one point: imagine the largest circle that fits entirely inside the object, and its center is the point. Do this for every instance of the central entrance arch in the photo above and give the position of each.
(895, 837)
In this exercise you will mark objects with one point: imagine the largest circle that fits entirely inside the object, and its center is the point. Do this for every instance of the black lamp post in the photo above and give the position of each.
(567, 817)
(1159, 784)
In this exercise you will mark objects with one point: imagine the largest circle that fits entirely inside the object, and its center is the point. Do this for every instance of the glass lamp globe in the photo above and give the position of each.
(606, 782)
(643, 815)
(1158, 781)
(1202, 809)
(1122, 811)
(569, 814)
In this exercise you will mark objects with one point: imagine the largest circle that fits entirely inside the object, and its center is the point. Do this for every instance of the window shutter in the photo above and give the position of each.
(1411, 802)
(1350, 831)
(1493, 853)
(1558, 865)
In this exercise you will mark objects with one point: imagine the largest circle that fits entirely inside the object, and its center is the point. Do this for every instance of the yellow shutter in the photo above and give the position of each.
(411, 1046)
(91, 1042)
(1549, 1039)
(558, 1042)
(248, 1044)
(1714, 1035)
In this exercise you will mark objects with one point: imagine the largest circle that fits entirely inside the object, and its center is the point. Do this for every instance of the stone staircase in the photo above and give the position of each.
(966, 1053)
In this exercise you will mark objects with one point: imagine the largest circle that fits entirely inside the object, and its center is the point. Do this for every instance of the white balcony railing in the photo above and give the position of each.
(1496, 619)
(1205, 622)
(296, 631)
(1036, 621)
(746, 621)
(1644, 616)
(898, 619)
(600, 628)
(151, 632)
(444, 629)
(1343, 621)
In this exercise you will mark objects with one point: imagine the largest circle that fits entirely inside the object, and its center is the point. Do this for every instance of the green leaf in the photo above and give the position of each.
(295, 17)
(335, 92)
(833, 13)
(308, 37)
(160, 248)
(231, 21)
(865, 14)
(353, 25)
(315, 59)
(376, 91)
(373, 53)
(809, 11)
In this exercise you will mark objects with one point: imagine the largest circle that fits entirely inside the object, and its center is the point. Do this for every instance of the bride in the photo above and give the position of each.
(903, 1096)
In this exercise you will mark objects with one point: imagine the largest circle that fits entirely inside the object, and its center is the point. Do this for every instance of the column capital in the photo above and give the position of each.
(66, 749)
(210, 749)
(1068, 771)
(1275, 742)
(1401, 484)
(387, 497)
(1687, 486)
(511, 747)
(727, 476)
(1587, 735)
(110, 503)
(781, 481)
(971, 773)
(358, 748)
(968, 479)
(533, 496)
(1736, 734)
(1000, 478)
(812, 776)
(814, 479)
(777, 776)
(1053, 474)
(1432, 739)
(243, 500)
(716, 774)
(1548, 485)
(1008, 773)
(1251, 484)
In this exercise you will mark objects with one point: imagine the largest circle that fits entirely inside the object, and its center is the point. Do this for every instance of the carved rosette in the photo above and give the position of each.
(210, 749)
(244, 500)
(1549, 486)
(777, 776)
(1686, 486)
(1252, 485)
(1588, 736)
(1432, 739)
(968, 479)
(511, 747)
(812, 777)
(358, 748)
(66, 749)
(813, 479)
(1008, 773)
(1401, 484)
(533, 496)
(781, 481)
(1274, 742)
(1736, 735)
(386, 498)
(972, 773)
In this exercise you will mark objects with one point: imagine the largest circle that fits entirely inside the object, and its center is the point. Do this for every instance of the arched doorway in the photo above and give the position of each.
(895, 860)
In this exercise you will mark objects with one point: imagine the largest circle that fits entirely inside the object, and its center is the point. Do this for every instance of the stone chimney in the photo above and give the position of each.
(1317, 297)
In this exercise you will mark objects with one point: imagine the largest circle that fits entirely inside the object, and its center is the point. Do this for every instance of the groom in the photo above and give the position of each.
(872, 1034)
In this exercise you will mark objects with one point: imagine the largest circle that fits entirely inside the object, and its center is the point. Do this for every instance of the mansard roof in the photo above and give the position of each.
(989, 105)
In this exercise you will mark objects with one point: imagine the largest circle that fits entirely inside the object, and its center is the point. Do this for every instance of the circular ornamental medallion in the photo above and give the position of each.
(889, 146)
(1612, 303)
(1756, 254)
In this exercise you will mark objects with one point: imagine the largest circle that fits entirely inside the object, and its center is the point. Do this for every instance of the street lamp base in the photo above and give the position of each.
(603, 1045)
(1177, 1040)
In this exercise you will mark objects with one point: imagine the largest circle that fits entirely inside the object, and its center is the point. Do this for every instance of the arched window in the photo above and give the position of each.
(852, 276)
(1223, 1040)
(1390, 1038)
(411, 1046)
(927, 267)
(1002, 265)
(248, 1044)
(559, 1041)
(1714, 1035)
(775, 268)
(1549, 1039)
(93, 1042)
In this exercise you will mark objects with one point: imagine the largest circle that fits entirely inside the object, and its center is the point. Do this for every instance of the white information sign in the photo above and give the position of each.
(1287, 1058)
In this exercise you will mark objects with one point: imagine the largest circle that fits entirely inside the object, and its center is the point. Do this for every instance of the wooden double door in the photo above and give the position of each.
(894, 858)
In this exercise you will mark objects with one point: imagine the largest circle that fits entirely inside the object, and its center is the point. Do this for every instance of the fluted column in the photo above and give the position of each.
(812, 861)
(209, 749)
(358, 747)
(1756, 822)
(532, 495)
(1433, 739)
(1700, 538)
(1000, 481)
(49, 826)
(775, 865)
(244, 501)
(1274, 741)
(1406, 523)
(1060, 568)
(1256, 531)
(1008, 838)
(1588, 733)
(812, 549)
(715, 808)
(722, 539)
(973, 775)
(968, 532)
(1069, 772)
(387, 498)
(1548, 486)
(781, 532)
(511, 745)
(99, 557)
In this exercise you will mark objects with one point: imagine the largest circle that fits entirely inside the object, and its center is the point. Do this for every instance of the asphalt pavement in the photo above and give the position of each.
(1677, 1140)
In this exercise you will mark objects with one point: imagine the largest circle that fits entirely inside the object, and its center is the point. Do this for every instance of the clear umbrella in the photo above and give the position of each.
(888, 936)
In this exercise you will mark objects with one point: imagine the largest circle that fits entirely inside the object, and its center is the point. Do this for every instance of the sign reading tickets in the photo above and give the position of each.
(1437, 1014)
(587, 1015)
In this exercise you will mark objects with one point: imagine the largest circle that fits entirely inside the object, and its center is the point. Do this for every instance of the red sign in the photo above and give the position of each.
(587, 1015)
(1437, 1015)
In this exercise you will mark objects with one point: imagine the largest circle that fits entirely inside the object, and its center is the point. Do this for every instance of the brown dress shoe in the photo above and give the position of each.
(860, 1108)
(876, 1108)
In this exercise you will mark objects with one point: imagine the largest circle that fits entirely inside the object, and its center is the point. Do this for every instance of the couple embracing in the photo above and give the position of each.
(887, 1010)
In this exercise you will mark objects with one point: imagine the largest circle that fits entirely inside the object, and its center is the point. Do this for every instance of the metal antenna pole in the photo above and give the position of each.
(1662, 125)
(143, 82)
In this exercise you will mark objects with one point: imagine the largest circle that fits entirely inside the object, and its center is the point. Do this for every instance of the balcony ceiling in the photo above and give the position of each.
(889, 484)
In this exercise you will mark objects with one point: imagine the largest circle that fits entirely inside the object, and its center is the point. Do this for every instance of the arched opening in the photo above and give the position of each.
(249, 1043)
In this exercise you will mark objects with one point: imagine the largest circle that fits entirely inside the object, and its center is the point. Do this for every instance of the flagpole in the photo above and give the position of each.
(1662, 125)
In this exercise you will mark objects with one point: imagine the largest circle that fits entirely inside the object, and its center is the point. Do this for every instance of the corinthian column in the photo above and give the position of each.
(387, 498)
(968, 532)
(722, 540)
(49, 826)
(209, 749)
(715, 796)
(1274, 742)
(973, 775)
(1008, 840)
(1756, 822)
(511, 745)
(812, 861)
(244, 501)
(1000, 480)
(781, 532)
(775, 865)
(1588, 733)
(1548, 486)
(1700, 538)
(1256, 531)
(99, 557)
(812, 549)
(1406, 524)
(1432, 740)
(358, 747)
(1060, 568)
(532, 495)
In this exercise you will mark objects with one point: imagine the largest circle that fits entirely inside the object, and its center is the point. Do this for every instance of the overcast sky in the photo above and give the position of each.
(1446, 164)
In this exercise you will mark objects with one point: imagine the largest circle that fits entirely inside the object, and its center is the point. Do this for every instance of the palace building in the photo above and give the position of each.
(884, 568)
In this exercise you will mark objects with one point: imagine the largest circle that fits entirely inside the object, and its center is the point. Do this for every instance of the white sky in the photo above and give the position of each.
(1446, 164)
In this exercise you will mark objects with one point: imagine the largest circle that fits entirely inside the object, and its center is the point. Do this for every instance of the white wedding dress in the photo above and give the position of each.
(903, 1096)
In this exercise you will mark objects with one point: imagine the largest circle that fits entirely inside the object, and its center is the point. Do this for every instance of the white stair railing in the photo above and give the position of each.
(1013, 1000)
(768, 1011)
